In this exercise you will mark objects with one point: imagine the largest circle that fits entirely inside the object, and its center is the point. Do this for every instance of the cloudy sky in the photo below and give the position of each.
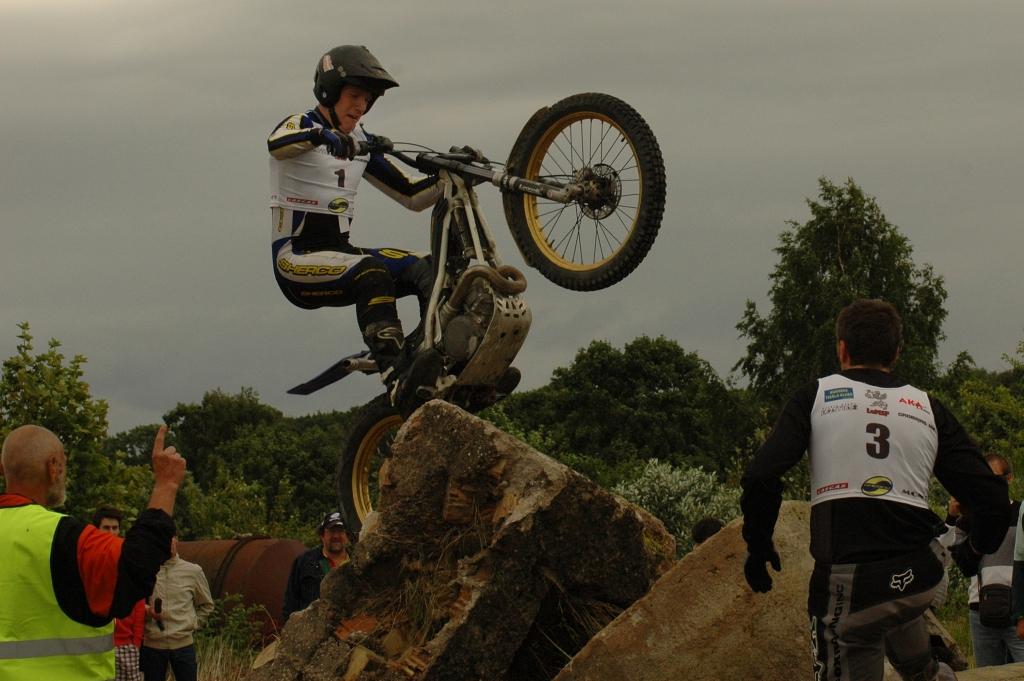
(133, 175)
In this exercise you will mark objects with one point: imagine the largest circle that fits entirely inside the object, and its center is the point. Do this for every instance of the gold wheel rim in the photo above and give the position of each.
(541, 214)
(370, 448)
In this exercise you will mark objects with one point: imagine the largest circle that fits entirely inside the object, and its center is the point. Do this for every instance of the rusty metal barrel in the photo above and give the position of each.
(257, 568)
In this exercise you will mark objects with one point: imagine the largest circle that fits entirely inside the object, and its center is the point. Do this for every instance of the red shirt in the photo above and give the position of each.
(128, 630)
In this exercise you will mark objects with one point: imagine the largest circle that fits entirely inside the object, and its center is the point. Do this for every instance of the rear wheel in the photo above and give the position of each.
(603, 144)
(365, 450)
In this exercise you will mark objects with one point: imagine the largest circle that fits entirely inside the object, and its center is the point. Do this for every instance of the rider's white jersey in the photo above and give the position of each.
(871, 442)
(314, 180)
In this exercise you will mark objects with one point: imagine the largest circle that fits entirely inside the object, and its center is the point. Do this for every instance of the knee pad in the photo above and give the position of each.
(374, 295)
(418, 278)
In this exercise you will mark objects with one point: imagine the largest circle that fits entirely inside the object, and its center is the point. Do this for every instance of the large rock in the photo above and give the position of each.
(1006, 672)
(488, 561)
(701, 622)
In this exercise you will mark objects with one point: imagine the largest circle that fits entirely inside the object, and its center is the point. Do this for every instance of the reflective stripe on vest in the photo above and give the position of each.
(37, 639)
(13, 650)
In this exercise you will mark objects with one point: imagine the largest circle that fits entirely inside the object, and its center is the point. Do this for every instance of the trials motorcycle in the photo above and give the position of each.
(583, 193)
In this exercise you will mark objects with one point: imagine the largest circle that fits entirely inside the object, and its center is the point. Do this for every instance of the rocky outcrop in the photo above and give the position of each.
(701, 622)
(487, 561)
(1006, 672)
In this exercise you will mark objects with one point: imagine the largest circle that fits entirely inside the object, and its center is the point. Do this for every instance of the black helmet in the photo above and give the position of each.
(349, 65)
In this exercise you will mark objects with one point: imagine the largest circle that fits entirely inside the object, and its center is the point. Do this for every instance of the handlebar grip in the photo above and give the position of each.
(376, 146)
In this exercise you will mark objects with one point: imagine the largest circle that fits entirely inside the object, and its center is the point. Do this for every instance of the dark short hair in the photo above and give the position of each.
(705, 528)
(107, 512)
(872, 330)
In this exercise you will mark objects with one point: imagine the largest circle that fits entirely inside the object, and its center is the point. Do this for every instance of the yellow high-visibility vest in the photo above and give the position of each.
(38, 642)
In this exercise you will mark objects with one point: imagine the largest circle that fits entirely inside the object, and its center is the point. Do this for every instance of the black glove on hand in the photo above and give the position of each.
(756, 570)
(382, 143)
(477, 155)
(339, 144)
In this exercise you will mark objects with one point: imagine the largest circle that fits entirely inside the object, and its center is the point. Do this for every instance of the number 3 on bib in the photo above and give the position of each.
(878, 448)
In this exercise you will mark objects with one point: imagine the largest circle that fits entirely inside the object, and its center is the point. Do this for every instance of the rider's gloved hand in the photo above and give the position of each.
(339, 144)
(382, 143)
(755, 569)
(477, 155)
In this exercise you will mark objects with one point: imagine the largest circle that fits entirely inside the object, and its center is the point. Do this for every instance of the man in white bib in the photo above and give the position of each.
(874, 442)
(314, 179)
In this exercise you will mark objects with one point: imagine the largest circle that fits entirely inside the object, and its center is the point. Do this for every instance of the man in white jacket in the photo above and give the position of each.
(180, 604)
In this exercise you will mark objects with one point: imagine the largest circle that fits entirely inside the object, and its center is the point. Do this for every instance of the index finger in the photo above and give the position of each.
(158, 442)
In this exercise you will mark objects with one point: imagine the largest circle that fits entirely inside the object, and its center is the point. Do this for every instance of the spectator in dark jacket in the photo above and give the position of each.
(312, 566)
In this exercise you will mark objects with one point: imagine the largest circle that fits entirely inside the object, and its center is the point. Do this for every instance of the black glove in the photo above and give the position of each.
(477, 155)
(339, 144)
(382, 143)
(756, 570)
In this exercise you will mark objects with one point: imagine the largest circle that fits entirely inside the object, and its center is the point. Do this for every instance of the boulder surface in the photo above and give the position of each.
(487, 560)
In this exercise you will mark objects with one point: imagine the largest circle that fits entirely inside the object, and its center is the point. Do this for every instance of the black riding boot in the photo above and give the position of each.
(387, 345)
(410, 381)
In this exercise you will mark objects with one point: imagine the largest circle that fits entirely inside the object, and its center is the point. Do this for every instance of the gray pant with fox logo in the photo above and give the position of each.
(861, 613)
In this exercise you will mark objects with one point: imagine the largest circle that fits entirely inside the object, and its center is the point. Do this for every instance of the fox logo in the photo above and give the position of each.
(902, 580)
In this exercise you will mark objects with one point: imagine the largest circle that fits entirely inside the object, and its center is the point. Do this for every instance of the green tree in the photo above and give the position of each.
(134, 446)
(252, 470)
(45, 390)
(847, 250)
(611, 410)
(991, 408)
(680, 497)
(200, 428)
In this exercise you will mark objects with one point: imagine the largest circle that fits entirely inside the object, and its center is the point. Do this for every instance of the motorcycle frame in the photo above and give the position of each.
(511, 317)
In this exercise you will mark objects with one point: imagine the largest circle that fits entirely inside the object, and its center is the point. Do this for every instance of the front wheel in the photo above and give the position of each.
(601, 143)
(367, 446)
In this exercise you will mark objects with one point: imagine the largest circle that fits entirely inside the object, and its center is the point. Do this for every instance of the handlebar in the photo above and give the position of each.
(466, 166)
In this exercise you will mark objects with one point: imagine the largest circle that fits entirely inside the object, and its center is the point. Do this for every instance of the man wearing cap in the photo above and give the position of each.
(312, 566)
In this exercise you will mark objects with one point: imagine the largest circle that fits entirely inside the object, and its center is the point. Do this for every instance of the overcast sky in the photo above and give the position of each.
(133, 176)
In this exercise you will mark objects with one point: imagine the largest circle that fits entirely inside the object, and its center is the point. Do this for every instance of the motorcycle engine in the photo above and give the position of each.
(465, 331)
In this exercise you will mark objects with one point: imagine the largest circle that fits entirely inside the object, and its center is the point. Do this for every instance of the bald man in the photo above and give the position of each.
(63, 581)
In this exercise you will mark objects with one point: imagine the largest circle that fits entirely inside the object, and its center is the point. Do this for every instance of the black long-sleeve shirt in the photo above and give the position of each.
(863, 529)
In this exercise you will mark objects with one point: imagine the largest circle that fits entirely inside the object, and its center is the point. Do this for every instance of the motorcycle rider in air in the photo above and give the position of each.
(314, 179)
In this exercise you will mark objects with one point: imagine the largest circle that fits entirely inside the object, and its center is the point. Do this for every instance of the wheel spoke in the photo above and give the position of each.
(608, 129)
(557, 208)
(557, 144)
(624, 225)
(603, 231)
(625, 145)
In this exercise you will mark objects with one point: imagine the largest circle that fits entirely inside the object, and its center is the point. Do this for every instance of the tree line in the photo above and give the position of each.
(651, 420)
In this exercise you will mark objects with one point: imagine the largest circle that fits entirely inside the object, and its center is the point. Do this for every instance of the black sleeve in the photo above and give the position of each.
(762, 481)
(966, 558)
(962, 470)
(390, 174)
(293, 589)
(147, 546)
